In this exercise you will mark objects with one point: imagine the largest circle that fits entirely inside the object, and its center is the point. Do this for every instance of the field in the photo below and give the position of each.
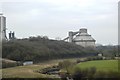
(21, 72)
(101, 65)
(29, 71)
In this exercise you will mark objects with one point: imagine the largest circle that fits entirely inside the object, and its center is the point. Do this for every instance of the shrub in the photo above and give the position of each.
(65, 64)
(84, 73)
(8, 64)
(78, 61)
(94, 58)
(91, 72)
(110, 74)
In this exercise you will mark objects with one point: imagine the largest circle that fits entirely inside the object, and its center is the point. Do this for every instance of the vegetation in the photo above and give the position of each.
(89, 69)
(22, 72)
(94, 69)
(91, 73)
(6, 63)
(31, 71)
(41, 49)
(101, 65)
(65, 65)
(84, 73)
(28, 71)
(109, 50)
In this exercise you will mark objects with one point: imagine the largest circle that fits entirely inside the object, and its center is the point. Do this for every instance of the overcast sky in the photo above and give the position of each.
(55, 18)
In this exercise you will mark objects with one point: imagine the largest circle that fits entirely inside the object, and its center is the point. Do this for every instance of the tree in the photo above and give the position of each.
(65, 65)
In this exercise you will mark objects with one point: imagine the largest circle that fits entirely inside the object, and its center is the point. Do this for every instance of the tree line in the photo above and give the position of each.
(41, 48)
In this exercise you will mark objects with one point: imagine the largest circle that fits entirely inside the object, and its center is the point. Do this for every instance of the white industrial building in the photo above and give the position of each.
(2, 27)
(27, 63)
(82, 38)
(119, 23)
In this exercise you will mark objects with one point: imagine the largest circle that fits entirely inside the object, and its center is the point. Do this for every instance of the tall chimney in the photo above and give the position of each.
(10, 36)
(13, 35)
(70, 36)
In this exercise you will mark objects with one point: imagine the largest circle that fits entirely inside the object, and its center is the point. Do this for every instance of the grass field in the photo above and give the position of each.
(22, 72)
(101, 65)
(29, 71)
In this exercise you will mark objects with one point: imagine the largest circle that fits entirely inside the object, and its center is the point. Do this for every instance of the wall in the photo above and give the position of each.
(86, 44)
(3, 27)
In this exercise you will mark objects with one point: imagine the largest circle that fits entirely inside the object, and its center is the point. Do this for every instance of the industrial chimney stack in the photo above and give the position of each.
(3, 28)
(11, 35)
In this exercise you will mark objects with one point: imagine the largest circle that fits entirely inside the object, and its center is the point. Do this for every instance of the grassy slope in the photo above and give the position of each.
(101, 65)
(29, 71)
(22, 72)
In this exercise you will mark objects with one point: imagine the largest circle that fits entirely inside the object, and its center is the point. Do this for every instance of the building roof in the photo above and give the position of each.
(83, 36)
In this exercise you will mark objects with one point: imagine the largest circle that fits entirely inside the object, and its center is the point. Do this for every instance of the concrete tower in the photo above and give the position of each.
(119, 23)
(84, 39)
(81, 38)
(3, 28)
(70, 36)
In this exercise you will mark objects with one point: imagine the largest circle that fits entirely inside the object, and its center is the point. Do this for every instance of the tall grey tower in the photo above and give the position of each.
(3, 28)
(118, 23)
(81, 38)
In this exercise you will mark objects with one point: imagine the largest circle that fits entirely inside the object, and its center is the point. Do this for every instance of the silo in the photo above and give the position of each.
(84, 39)
(3, 27)
(70, 36)
(119, 23)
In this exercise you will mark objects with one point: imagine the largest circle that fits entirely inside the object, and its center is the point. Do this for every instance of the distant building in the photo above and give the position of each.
(11, 36)
(27, 63)
(82, 38)
(100, 54)
(3, 27)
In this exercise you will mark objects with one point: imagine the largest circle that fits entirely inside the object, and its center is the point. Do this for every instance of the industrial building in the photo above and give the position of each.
(3, 27)
(11, 35)
(3, 36)
(118, 22)
(81, 37)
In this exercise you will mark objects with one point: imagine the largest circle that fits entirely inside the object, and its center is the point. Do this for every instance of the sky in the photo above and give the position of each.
(55, 18)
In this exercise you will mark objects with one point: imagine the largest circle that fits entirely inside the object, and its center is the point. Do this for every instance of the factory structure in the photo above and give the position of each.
(3, 27)
(3, 36)
(119, 22)
(82, 38)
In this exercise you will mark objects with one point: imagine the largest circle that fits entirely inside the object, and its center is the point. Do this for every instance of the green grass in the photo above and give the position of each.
(101, 65)
(29, 71)
(22, 72)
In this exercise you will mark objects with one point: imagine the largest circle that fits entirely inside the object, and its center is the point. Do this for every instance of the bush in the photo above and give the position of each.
(91, 73)
(40, 49)
(65, 64)
(84, 73)
(78, 61)
(8, 64)
(81, 60)
(94, 58)
(77, 73)
(110, 74)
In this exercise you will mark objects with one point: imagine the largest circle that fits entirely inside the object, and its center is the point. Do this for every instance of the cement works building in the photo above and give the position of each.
(82, 38)
(2, 27)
